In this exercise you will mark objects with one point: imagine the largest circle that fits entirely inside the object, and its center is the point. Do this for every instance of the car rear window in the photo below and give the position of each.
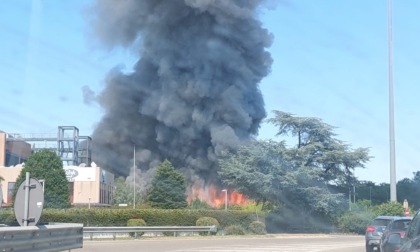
(380, 222)
(400, 224)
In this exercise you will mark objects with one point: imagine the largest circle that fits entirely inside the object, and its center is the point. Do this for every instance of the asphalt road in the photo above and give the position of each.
(283, 243)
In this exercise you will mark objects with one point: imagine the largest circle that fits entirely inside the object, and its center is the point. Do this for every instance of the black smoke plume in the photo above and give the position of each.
(194, 90)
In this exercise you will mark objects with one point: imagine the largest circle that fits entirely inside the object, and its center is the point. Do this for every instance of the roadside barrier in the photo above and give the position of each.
(51, 238)
(146, 229)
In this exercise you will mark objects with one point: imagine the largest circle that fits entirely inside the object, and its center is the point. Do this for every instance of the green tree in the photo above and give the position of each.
(262, 171)
(318, 148)
(254, 169)
(389, 208)
(48, 166)
(168, 190)
(122, 193)
(296, 177)
(409, 189)
(380, 194)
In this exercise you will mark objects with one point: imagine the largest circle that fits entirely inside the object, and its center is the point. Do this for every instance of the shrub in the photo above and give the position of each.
(234, 207)
(207, 221)
(234, 230)
(135, 223)
(354, 222)
(198, 204)
(257, 227)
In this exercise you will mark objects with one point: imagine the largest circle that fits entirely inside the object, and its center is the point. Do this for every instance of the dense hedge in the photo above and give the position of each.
(153, 217)
(355, 222)
(7, 216)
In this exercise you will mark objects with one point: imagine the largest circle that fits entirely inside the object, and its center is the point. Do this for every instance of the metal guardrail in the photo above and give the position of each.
(48, 238)
(145, 229)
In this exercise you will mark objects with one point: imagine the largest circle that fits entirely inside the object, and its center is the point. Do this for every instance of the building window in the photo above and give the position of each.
(10, 189)
(13, 159)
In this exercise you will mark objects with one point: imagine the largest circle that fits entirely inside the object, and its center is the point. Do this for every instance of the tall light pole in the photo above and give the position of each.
(134, 179)
(226, 198)
(393, 183)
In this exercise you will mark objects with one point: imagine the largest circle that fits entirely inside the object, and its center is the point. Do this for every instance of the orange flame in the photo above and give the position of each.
(216, 197)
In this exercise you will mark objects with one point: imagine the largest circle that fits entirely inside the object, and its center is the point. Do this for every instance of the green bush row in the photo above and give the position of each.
(153, 217)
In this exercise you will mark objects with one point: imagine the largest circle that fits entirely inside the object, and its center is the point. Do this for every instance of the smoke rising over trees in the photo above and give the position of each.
(194, 90)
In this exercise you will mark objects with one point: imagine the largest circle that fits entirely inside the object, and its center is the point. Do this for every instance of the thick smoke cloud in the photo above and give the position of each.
(194, 90)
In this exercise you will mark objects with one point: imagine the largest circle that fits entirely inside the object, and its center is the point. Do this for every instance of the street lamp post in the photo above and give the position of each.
(134, 178)
(226, 198)
(393, 184)
(354, 194)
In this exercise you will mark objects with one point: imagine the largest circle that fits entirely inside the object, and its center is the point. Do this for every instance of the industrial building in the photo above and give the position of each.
(13, 152)
(89, 185)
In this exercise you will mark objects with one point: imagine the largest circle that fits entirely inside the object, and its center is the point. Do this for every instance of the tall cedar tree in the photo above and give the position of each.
(46, 165)
(295, 177)
(168, 190)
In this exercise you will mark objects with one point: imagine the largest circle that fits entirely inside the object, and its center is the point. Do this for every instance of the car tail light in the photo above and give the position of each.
(402, 234)
(396, 250)
(370, 229)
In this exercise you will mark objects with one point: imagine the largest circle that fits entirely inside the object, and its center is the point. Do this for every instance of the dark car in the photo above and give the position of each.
(411, 241)
(397, 226)
(374, 232)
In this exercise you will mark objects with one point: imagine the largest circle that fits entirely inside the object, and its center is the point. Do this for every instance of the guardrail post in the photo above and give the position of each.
(91, 236)
(114, 236)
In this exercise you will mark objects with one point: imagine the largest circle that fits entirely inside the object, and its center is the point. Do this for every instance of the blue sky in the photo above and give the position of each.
(330, 61)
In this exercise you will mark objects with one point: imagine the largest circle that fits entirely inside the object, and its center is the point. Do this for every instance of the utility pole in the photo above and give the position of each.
(393, 183)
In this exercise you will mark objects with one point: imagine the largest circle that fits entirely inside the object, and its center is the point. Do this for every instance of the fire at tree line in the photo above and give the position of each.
(310, 179)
